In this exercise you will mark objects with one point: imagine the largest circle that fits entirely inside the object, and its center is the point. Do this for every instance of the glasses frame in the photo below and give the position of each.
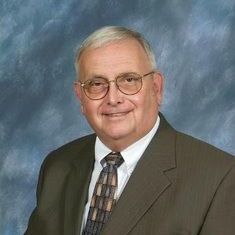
(82, 84)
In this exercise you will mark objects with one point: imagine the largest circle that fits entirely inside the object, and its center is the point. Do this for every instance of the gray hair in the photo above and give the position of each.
(109, 34)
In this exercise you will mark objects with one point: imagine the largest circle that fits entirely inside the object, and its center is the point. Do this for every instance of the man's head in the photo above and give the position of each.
(119, 102)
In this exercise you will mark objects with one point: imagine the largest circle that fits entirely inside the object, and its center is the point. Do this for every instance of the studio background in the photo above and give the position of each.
(194, 45)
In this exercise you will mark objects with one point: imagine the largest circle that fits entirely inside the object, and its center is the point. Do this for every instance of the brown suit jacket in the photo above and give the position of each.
(180, 186)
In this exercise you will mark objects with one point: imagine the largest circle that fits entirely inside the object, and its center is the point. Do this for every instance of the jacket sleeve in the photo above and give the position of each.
(33, 223)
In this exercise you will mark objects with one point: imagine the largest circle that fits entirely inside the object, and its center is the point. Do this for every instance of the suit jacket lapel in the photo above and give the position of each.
(147, 182)
(77, 188)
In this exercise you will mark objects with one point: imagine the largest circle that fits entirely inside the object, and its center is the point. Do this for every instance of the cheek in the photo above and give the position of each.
(91, 109)
(146, 98)
(149, 102)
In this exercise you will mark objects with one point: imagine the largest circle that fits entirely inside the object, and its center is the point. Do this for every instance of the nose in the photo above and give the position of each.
(114, 97)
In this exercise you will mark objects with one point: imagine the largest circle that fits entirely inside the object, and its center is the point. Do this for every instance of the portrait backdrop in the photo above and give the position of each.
(194, 42)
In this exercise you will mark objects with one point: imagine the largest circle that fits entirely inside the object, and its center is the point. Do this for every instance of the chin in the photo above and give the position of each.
(116, 134)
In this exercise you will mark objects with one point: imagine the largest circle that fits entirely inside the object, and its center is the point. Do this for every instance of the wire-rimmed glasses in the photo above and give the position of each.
(128, 83)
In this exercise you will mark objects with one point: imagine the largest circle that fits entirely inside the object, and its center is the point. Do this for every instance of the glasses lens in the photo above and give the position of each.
(129, 84)
(96, 88)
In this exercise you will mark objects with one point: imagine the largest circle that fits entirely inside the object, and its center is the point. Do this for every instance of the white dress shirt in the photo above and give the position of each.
(131, 156)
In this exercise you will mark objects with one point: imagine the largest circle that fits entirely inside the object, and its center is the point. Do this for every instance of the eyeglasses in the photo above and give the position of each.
(128, 83)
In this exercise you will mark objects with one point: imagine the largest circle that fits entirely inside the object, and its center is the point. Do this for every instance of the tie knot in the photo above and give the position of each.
(112, 158)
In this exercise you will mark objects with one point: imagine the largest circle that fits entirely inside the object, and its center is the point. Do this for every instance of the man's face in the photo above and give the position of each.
(118, 119)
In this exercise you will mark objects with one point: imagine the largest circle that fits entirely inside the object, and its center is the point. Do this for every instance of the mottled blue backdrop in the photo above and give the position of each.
(195, 46)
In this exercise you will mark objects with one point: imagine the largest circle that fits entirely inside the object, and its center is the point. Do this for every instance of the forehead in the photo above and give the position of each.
(116, 57)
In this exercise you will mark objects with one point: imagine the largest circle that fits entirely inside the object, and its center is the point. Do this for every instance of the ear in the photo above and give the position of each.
(158, 84)
(78, 92)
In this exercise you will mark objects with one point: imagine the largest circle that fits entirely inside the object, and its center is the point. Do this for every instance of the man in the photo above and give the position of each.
(158, 181)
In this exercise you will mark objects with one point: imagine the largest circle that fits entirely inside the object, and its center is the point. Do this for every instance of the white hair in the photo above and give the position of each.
(109, 34)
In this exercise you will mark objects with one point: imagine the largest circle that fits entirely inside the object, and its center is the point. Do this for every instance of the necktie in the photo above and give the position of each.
(103, 199)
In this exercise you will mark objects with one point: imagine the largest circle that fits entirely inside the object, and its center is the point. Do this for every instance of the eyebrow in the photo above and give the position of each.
(103, 76)
(99, 76)
(94, 76)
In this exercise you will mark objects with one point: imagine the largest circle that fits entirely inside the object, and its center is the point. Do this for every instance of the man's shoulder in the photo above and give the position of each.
(76, 144)
(189, 146)
(71, 150)
(202, 154)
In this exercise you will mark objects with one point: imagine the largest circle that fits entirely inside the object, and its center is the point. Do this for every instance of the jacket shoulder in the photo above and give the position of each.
(68, 152)
(202, 154)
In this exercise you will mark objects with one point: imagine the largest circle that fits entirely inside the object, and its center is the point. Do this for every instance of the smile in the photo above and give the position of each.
(119, 114)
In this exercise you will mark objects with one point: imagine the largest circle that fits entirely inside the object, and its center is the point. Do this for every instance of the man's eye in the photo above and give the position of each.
(130, 79)
(96, 83)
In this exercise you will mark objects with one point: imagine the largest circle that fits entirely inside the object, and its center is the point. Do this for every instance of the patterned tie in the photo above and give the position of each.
(103, 199)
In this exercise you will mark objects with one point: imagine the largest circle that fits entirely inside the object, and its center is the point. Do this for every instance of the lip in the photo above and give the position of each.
(116, 114)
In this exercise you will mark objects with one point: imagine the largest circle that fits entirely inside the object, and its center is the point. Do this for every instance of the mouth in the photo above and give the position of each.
(116, 114)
